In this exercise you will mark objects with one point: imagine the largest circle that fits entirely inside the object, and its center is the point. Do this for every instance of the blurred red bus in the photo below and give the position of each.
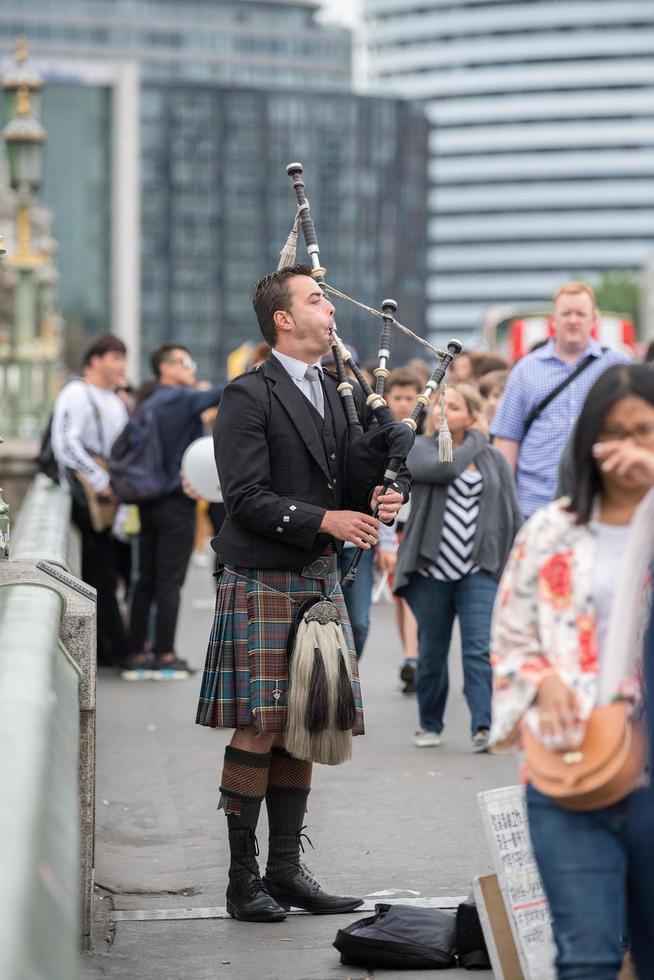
(514, 335)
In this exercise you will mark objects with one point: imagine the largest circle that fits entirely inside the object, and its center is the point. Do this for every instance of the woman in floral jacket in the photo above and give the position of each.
(557, 652)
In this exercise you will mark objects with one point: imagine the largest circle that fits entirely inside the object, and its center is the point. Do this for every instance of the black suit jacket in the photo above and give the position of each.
(275, 477)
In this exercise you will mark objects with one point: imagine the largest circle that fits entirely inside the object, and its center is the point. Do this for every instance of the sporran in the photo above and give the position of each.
(321, 710)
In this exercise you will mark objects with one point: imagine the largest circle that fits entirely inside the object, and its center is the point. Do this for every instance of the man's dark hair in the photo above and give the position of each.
(492, 379)
(161, 354)
(272, 293)
(485, 363)
(102, 345)
(615, 383)
(402, 377)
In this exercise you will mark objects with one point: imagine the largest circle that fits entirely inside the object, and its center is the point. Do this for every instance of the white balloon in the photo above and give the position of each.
(199, 469)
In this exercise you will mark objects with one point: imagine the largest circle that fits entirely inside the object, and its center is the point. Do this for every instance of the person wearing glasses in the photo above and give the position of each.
(567, 636)
(168, 522)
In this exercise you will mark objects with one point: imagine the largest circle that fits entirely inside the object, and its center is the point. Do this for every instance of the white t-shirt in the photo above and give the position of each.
(610, 541)
(86, 419)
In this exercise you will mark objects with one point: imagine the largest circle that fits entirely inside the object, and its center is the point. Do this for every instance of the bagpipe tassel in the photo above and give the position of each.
(321, 710)
(445, 453)
(288, 255)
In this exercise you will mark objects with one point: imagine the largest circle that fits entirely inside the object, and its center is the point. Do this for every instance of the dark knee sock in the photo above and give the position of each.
(289, 785)
(243, 783)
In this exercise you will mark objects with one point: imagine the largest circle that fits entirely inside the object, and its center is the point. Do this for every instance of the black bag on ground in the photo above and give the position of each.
(401, 937)
(470, 943)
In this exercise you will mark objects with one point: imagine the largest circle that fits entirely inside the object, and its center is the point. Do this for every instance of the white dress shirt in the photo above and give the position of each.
(297, 370)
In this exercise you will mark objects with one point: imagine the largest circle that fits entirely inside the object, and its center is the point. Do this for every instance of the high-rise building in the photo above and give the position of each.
(231, 42)
(541, 143)
(217, 206)
(170, 126)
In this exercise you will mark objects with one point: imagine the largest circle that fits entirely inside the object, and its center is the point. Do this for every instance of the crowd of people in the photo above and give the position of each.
(526, 536)
(90, 413)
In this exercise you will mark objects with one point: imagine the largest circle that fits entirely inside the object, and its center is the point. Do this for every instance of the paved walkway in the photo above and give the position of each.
(396, 821)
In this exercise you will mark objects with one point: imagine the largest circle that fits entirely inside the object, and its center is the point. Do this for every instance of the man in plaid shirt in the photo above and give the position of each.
(534, 455)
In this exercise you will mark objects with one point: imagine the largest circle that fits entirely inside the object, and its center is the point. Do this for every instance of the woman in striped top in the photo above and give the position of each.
(464, 516)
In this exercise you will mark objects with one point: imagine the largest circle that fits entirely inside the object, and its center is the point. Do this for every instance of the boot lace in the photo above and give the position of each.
(253, 882)
(305, 871)
(254, 886)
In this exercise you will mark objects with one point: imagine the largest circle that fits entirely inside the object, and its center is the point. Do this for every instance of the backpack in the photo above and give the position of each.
(471, 949)
(407, 937)
(136, 459)
(400, 937)
(45, 458)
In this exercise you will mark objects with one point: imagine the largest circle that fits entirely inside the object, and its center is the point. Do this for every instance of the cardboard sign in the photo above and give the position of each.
(496, 928)
(504, 815)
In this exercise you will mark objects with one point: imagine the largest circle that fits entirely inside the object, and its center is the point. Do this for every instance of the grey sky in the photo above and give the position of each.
(342, 11)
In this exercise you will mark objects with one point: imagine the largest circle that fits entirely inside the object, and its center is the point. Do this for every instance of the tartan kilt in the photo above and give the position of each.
(245, 678)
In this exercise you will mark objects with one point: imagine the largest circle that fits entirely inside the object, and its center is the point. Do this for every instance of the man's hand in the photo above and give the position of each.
(481, 424)
(389, 504)
(188, 489)
(387, 561)
(349, 525)
(626, 459)
(107, 495)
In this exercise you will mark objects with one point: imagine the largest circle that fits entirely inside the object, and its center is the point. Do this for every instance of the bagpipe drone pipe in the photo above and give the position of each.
(321, 704)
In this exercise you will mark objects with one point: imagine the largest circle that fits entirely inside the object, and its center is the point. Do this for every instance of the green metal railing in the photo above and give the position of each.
(47, 745)
(39, 815)
(41, 531)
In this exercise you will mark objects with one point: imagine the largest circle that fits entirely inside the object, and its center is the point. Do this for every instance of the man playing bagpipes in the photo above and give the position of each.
(295, 487)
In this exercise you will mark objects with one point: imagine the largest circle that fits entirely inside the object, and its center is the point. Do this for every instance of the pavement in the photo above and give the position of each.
(395, 822)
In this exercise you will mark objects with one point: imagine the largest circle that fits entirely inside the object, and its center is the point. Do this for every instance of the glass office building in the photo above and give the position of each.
(541, 146)
(217, 206)
(78, 187)
(231, 42)
(193, 144)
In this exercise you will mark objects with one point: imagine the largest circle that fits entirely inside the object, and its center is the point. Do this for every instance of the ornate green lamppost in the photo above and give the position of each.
(4, 508)
(25, 140)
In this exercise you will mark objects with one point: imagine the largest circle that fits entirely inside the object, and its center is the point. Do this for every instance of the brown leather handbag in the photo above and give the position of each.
(102, 510)
(602, 770)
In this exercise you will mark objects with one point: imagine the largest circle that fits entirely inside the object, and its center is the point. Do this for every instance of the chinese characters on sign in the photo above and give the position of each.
(505, 820)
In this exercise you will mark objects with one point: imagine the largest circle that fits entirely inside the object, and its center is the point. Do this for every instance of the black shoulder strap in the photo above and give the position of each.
(542, 405)
(97, 416)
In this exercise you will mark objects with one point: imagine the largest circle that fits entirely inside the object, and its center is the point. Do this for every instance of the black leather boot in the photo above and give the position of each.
(247, 897)
(286, 880)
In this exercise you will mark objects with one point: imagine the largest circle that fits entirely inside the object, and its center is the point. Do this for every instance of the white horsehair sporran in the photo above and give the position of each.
(321, 710)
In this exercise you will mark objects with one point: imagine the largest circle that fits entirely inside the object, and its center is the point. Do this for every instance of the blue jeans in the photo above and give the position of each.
(358, 595)
(435, 604)
(598, 873)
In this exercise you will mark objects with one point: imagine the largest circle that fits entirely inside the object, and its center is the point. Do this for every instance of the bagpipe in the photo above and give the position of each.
(380, 452)
(321, 710)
